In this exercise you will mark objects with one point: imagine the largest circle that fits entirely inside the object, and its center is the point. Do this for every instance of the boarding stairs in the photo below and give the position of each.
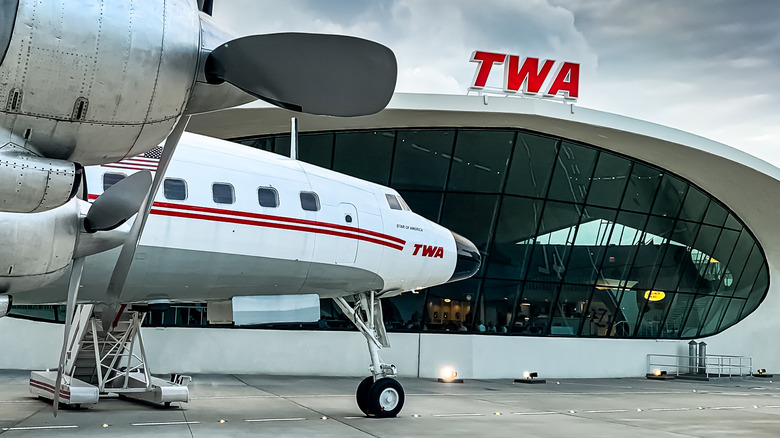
(99, 362)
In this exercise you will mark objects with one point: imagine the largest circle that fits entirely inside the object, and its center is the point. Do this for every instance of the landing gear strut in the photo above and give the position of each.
(379, 395)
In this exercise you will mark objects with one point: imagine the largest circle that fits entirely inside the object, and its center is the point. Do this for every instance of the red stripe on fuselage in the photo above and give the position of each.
(280, 219)
(283, 226)
(287, 223)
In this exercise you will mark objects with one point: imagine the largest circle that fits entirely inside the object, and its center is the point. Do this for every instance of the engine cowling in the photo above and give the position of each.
(37, 248)
(33, 184)
(5, 304)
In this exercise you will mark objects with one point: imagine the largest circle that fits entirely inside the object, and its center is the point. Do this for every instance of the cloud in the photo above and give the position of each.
(426, 80)
(707, 67)
(432, 39)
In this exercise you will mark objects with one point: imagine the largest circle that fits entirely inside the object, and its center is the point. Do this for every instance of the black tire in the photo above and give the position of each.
(362, 394)
(385, 398)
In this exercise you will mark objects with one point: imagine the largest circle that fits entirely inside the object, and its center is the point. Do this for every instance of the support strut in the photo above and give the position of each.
(379, 395)
(366, 314)
(97, 362)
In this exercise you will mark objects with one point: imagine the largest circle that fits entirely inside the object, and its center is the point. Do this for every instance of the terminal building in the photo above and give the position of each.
(604, 239)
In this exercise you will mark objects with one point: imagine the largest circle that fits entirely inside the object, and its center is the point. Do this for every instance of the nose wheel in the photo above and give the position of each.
(379, 395)
(382, 399)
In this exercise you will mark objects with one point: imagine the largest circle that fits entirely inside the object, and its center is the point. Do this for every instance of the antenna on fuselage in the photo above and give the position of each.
(294, 138)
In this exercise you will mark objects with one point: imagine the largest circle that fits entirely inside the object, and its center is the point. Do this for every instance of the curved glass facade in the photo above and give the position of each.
(576, 241)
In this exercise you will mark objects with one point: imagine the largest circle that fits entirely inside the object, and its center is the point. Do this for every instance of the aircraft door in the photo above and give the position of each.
(346, 252)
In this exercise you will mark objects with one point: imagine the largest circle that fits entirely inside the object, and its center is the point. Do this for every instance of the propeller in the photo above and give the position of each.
(119, 203)
(73, 291)
(312, 73)
(111, 307)
(128, 197)
(109, 211)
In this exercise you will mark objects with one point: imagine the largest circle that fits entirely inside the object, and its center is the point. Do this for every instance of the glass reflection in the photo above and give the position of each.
(577, 241)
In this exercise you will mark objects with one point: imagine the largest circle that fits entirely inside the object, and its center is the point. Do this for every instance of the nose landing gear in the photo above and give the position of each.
(379, 395)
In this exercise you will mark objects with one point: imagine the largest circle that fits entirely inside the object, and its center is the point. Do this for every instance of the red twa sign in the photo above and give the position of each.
(528, 76)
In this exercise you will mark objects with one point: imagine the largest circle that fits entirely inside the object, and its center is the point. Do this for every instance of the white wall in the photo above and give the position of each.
(34, 345)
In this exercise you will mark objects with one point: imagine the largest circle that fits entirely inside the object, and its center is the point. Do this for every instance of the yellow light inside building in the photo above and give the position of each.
(654, 295)
(657, 372)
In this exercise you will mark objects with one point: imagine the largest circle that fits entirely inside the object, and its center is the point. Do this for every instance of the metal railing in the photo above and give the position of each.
(713, 365)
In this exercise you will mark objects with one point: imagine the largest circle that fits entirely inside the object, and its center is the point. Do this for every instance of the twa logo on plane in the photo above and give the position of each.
(428, 251)
(528, 76)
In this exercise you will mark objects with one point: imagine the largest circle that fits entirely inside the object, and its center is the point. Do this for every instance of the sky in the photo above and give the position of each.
(709, 67)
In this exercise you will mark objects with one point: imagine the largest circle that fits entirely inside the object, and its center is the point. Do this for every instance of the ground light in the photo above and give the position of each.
(449, 375)
(761, 372)
(530, 377)
(658, 374)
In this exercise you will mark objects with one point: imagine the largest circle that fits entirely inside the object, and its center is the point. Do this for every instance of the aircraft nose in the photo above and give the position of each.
(468, 259)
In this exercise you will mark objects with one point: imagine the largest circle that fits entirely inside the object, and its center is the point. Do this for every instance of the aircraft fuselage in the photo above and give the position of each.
(203, 246)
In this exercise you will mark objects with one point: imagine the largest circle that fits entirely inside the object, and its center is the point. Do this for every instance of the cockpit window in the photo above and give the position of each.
(404, 204)
(393, 201)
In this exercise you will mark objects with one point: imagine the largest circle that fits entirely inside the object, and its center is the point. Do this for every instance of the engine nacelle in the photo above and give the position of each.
(37, 248)
(34, 184)
(5, 305)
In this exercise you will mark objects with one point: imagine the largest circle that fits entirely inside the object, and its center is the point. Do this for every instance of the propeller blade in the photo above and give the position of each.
(122, 267)
(119, 203)
(70, 307)
(312, 73)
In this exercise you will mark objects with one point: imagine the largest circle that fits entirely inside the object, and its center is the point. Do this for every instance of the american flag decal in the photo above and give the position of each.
(148, 161)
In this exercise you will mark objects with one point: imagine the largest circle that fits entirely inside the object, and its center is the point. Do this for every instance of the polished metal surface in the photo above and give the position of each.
(5, 304)
(37, 247)
(32, 183)
(132, 63)
(209, 97)
(7, 18)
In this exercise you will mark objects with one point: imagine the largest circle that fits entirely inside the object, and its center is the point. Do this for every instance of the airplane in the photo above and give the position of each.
(237, 221)
(87, 82)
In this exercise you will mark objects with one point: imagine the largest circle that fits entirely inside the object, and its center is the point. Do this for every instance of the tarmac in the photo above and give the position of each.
(281, 406)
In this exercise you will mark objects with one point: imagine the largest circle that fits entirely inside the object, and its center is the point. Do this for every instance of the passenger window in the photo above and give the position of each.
(393, 201)
(175, 189)
(109, 179)
(310, 201)
(222, 193)
(268, 197)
